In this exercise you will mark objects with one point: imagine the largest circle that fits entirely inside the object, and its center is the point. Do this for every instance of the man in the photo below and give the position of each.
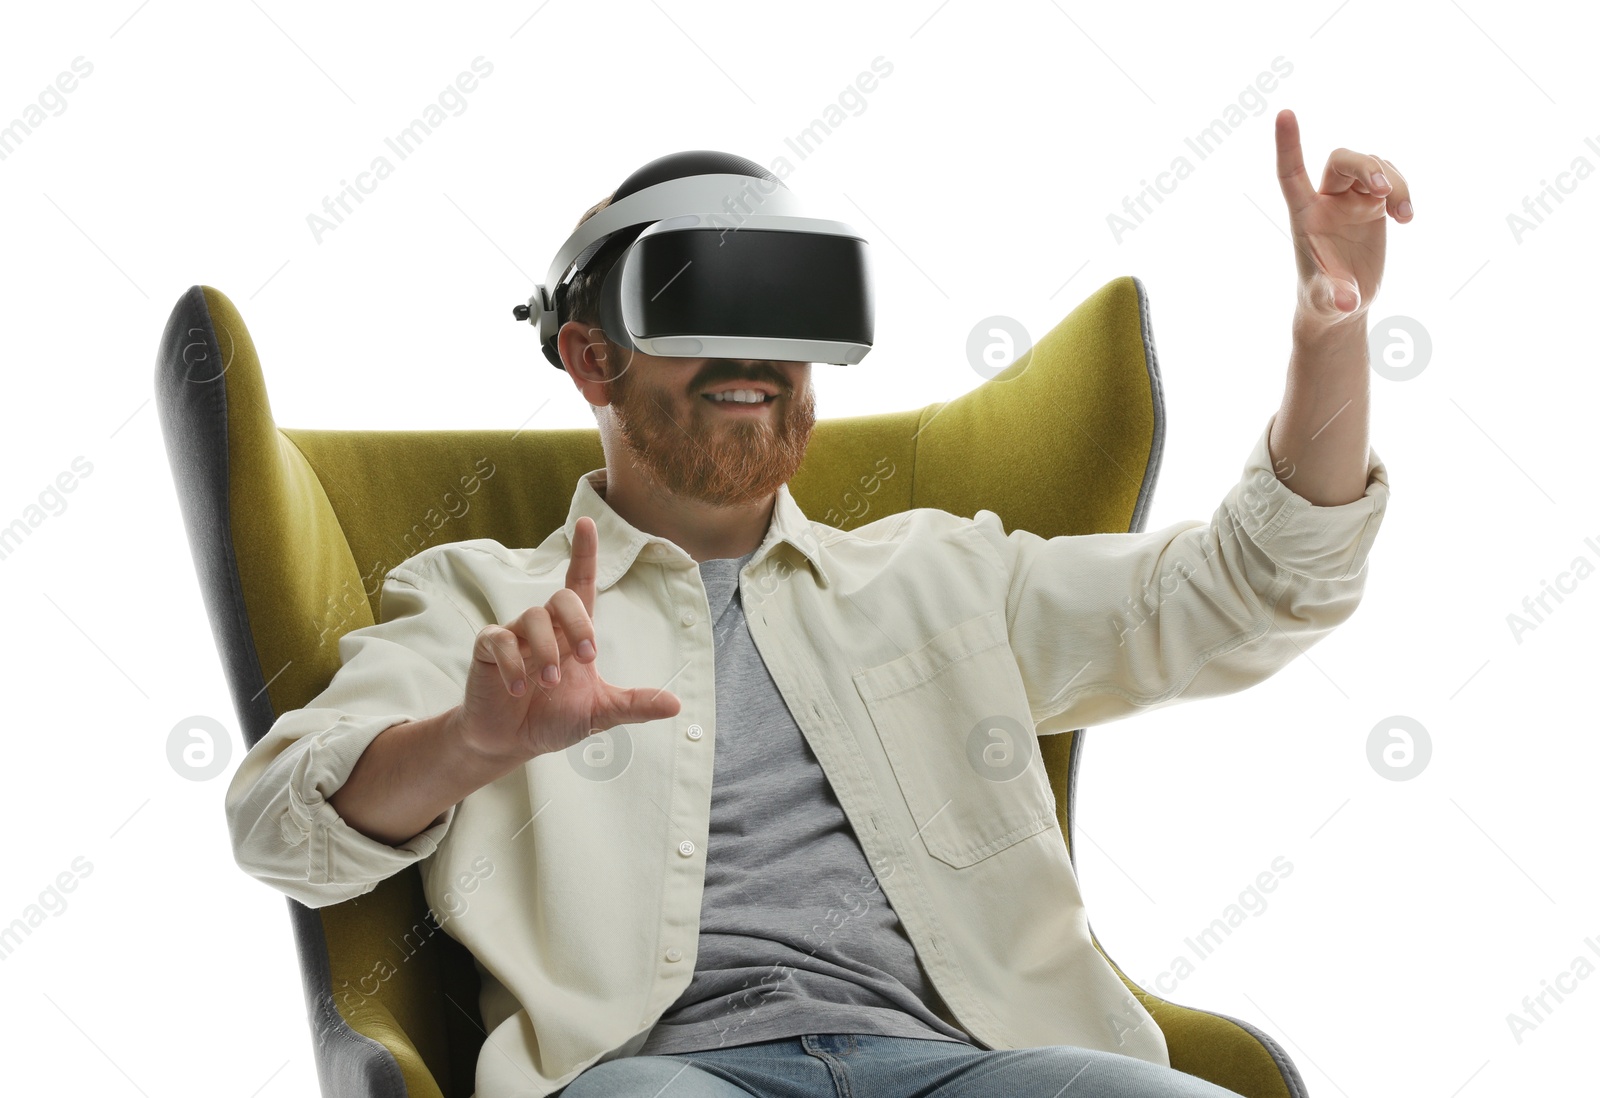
(816, 852)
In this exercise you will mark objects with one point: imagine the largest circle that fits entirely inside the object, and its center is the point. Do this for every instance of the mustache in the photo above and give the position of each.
(777, 382)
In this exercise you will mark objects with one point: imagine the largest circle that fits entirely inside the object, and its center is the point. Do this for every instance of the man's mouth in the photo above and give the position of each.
(736, 405)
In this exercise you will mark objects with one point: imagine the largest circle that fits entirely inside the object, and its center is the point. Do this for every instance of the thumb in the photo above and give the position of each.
(1336, 294)
(626, 705)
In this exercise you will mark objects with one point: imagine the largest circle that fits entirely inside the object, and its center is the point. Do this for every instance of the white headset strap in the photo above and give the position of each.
(734, 197)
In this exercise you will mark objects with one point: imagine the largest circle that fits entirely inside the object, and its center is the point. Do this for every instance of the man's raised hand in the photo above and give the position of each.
(1338, 230)
(512, 711)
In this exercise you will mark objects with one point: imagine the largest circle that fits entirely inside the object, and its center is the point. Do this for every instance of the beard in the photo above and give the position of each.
(718, 458)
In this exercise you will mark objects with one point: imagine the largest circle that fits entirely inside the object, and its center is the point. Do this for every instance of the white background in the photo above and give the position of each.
(1418, 914)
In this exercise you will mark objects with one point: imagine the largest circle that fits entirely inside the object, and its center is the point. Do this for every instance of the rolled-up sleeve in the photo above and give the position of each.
(412, 664)
(1107, 625)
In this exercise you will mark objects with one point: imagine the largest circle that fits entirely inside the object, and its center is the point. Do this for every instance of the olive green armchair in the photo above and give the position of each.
(292, 532)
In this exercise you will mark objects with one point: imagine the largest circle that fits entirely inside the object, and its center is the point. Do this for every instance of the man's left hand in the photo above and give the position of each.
(1338, 231)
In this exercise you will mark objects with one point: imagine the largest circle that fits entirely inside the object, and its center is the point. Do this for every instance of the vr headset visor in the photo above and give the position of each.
(704, 279)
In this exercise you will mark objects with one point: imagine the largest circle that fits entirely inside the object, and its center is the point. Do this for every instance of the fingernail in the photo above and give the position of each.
(1404, 209)
(518, 687)
(586, 649)
(1378, 180)
(550, 673)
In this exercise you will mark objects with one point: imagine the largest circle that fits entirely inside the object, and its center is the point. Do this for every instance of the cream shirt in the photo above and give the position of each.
(916, 653)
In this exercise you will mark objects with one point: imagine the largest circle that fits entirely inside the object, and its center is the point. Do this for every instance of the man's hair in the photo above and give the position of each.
(583, 292)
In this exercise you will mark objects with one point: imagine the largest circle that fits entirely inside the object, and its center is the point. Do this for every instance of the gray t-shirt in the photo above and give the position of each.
(796, 936)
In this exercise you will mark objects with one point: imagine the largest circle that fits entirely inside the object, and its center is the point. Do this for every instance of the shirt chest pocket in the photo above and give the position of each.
(954, 721)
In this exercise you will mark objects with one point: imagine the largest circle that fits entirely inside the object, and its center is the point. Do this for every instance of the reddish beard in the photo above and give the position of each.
(716, 457)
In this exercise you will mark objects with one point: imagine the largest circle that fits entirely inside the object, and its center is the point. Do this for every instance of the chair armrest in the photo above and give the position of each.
(1223, 1050)
(367, 1055)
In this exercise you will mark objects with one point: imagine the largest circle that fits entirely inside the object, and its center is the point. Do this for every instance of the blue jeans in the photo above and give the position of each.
(864, 1065)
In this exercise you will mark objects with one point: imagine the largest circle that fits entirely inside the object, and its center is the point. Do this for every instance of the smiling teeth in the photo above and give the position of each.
(741, 396)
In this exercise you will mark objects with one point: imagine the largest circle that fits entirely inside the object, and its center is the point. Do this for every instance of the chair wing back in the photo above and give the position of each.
(292, 532)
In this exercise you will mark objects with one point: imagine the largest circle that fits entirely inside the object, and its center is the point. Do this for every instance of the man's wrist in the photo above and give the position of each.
(472, 762)
(1312, 332)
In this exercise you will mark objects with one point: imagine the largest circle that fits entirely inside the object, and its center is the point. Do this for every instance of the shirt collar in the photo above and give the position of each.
(621, 542)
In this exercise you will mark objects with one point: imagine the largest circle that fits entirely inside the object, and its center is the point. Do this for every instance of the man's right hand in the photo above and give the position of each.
(501, 724)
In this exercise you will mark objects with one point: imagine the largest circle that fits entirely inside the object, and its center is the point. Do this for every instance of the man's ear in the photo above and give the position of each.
(584, 355)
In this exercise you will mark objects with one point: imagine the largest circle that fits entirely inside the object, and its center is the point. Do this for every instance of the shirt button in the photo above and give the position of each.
(687, 617)
(695, 731)
(674, 955)
(686, 848)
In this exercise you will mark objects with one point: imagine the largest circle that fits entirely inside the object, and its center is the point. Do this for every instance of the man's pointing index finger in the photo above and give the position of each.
(1292, 178)
(581, 568)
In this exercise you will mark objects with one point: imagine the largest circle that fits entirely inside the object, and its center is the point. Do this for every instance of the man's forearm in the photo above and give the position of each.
(1318, 441)
(408, 776)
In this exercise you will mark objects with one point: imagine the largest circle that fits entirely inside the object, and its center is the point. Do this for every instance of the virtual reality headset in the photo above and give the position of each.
(726, 263)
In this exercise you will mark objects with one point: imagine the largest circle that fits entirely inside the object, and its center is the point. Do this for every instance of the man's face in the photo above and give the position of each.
(689, 445)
